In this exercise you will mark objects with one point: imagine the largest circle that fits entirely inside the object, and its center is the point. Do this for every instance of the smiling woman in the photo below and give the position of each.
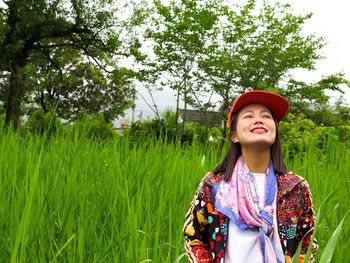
(251, 208)
(255, 127)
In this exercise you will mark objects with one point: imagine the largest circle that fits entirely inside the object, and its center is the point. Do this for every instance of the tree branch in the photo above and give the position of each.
(155, 109)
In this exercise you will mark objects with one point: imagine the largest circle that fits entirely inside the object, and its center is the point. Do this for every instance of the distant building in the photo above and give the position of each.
(211, 118)
(124, 123)
(131, 116)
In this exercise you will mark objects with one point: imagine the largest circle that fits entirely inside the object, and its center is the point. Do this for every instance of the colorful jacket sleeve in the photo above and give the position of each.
(306, 224)
(196, 228)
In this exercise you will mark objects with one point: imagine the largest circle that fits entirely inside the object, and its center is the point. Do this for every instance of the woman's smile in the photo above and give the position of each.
(255, 126)
(259, 130)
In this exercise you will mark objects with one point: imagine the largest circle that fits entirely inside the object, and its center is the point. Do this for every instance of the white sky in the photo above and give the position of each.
(331, 20)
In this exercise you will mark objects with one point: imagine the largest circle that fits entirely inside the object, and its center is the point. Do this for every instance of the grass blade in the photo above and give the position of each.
(298, 251)
(63, 247)
(327, 254)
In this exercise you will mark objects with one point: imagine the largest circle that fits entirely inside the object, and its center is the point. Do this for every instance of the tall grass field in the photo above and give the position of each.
(70, 198)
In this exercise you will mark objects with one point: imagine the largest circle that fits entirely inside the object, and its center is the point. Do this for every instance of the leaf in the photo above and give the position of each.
(327, 254)
(297, 253)
(63, 247)
(318, 217)
(180, 257)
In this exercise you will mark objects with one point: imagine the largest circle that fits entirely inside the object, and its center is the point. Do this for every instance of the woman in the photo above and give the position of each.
(250, 208)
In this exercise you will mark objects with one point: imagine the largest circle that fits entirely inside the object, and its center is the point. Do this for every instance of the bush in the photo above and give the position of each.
(40, 122)
(166, 129)
(169, 119)
(297, 133)
(193, 132)
(140, 131)
(344, 133)
(96, 127)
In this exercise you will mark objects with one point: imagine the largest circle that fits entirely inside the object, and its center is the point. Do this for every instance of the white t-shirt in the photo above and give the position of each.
(242, 245)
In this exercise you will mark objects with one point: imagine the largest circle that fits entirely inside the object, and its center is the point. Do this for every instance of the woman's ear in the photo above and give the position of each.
(234, 138)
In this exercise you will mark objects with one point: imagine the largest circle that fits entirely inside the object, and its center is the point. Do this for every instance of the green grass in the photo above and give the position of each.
(73, 199)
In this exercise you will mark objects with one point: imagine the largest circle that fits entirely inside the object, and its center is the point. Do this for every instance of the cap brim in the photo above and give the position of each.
(276, 103)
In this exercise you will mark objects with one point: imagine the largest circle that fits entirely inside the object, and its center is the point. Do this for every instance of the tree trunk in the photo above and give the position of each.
(43, 102)
(225, 110)
(177, 109)
(206, 125)
(182, 130)
(14, 99)
(179, 130)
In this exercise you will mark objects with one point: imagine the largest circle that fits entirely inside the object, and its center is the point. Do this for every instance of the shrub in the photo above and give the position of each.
(344, 133)
(298, 132)
(140, 131)
(194, 132)
(96, 127)
(39, 122)
(169, 118)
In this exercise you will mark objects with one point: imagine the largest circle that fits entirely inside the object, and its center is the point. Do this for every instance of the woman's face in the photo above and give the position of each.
(255, 127)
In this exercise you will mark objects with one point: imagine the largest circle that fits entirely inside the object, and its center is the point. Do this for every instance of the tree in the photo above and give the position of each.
(86, 91)
(180, 31)
(311, 100)
(78, 88)
(211, 47)
(34, 33)
(255, 47)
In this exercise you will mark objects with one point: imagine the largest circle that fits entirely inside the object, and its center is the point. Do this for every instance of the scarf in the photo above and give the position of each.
(238, 200)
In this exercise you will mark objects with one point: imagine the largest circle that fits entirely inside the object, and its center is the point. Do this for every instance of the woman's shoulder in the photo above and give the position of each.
(291, 180)
(206, 190)
(211, 179)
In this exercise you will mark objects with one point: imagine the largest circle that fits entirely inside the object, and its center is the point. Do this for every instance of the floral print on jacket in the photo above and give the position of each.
(206, 229)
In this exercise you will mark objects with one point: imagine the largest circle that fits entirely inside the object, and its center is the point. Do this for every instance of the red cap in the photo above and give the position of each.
(276, 103)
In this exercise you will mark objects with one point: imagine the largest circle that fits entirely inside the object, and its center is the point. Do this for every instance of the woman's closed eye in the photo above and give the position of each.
(268, 116)
(248, 115)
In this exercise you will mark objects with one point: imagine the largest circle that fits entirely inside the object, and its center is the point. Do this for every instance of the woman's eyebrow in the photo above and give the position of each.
(252, 111)
(247, 111)
(267, 111)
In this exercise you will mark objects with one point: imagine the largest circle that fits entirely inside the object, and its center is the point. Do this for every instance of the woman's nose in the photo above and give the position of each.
(258, 120)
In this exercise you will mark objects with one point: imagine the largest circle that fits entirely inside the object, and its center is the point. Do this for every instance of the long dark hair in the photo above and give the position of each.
(235, 150)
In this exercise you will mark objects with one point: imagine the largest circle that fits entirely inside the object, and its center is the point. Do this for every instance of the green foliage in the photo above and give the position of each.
(194, 132)
(40, 122)
(260, 45)
(74, 199)
(141, 131)
(83, 90)
(212, 47)
(298, 133)
(95, 127)
(169, 118)
(327, 254)
(311, 100)
(199, 133)
(46, 46)
(165, 128)
(180, 31)
(344, 133)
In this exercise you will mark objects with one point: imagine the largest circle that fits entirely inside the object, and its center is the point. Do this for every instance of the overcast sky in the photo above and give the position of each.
(331, 20)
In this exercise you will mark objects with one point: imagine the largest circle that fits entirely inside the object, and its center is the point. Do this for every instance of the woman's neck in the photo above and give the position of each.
(257, 161)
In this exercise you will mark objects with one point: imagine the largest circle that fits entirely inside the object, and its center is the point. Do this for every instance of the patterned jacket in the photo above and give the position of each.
(206, 229)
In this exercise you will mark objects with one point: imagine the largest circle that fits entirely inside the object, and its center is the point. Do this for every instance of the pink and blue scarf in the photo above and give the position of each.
(237, 200)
